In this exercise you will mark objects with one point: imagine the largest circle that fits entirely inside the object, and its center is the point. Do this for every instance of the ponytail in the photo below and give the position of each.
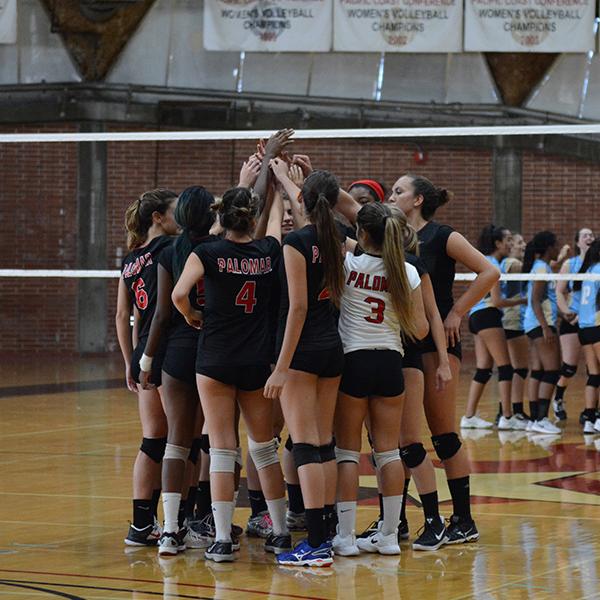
(135, 234)
(528, 257)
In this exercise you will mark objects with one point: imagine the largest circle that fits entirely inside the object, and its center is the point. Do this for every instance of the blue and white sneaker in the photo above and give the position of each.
(304, 555)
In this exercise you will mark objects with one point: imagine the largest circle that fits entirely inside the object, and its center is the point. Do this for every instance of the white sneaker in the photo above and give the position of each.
(589, 427)
(597, 444)
(345, 546)
(194, 540)
(597, 425)
(475, 422)
(377, 542)
(529, 426)
(511, 423)
(545, 426)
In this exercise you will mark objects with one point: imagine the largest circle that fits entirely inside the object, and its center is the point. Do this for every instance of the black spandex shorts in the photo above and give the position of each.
(486, 318)
(538, 333)
(589, 335)
(372, 373)
(428, 345)
(511, 334)
(324, 363)
(247, 378)
(412, 356)
(157, 361)
(180, 363)
(566, 328)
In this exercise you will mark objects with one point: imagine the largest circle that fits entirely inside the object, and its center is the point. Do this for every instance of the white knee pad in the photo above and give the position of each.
(222, 460)
(342, 456)
(238, 457)
(176, 453)
(384, 458)
(264, 454)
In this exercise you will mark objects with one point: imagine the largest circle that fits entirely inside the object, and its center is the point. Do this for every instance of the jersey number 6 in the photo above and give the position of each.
(141, 297)
(246, 297)
(377, 308)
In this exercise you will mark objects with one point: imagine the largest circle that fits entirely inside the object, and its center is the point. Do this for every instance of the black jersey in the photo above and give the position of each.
(237, 286)
(320, 330)
(417, 262)
(139, 272)
(441, 267)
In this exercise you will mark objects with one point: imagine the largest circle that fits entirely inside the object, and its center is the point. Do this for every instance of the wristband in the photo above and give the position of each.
(146, 362)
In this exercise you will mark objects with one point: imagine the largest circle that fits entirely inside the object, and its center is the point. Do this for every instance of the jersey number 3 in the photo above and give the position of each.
(246, 297)
(141, 297)
(377, 308)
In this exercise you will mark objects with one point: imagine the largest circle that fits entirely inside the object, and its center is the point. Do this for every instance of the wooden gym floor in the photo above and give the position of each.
(68, 435)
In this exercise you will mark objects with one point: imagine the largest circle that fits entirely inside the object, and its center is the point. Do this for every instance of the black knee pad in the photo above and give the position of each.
(537, 374)
(327, 451)
(195, 451)
(446, 445)
(204, 443)
(289, 445)
(505, 373)
(551, 377)
(306, 454)
(593, 381)
(413, 455)
(154, 448)
(482, 375)
(522, 373)
(567, 370)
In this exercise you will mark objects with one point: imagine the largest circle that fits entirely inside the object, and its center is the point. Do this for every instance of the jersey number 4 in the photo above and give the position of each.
(246, 297)
(141, 297)
(377, 308)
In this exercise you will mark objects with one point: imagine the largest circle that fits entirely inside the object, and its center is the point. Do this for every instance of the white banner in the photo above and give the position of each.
(398, 25)
(529, 25)
(268, 25)
(8, 21)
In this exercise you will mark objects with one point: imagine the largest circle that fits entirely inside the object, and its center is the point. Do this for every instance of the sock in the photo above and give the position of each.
(277, 509)
(203, 500)
(404, 497)
(590, 413)
(560, 392)
(380, 496)
(171, 502)
(315, 523)
(430, 505)
(181, 513)
(155, 501)
(533, 410)
(257, 502)
(461, 498)
(142, 513)
(543, 408)
(517, 408)
(330, 520)
(391, 514)
(190, 503)
(346, 518)
(222, 512)
(296, 502)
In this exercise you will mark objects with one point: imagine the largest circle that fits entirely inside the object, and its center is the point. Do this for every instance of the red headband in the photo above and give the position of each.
(372, 185)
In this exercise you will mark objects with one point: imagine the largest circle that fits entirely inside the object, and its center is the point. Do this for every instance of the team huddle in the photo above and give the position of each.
(291, 302)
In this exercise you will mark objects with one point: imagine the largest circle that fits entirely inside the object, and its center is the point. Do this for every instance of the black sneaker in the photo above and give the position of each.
(370, 530)
(461, 530)
(220, 552)
(142, 537)
(278, 543)
(403, 531)
(434, 535)
(237, 531)
(582, 418)
(558, 406)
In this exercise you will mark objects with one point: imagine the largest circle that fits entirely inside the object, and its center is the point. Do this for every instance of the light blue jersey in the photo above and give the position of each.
(548, 299)
(574, 295)
(510, 290)
(486, 302)
(589, 312)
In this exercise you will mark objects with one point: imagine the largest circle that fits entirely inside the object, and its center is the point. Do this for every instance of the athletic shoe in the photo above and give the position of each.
(475, 422)
(545, 426)
(157, 529)
(195, 540)
(205, 528)
(345, 546)
(370, 530)
(589, 426)
(220, 552)
(508, 423)
(141, 537)
(237, 531)
(558, 406)
(529, 426)
(403, 530)
(597, 424)
(434, 535)
(260, 526)
(170, 544)
(497, 419)
(377, 542)
(295, 521)
(277, 544)
(460, 531)
(304, 555)
(582, 418)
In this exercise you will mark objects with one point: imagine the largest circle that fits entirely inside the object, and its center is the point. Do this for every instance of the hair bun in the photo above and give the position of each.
(444, 196)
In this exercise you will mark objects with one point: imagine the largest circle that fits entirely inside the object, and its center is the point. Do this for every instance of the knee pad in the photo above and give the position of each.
(204, 443)
(593, 381)
(446, 445)
(537, 374)
(154, 448)
(522, 373)
(413, 455)
(346, 456)
(289, 445)
(173, 452)
(551, 377)
(264, 454)
(385, 458)
(482, 375)
(567, 370)
(306, 454)
(505, 373)
(327, 451)
(222, 460)
(238, 457)
(195, 451)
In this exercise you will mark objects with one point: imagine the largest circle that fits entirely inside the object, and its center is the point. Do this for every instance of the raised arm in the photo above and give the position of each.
(281, 172)
(347, 206)
(276, 144)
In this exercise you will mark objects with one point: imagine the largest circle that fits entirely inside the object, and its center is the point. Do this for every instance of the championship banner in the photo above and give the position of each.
(529, 25)
(398, 25)
(268, 25)
(8, 21)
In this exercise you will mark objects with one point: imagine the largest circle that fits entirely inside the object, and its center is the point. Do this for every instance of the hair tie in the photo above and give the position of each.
(372, 185)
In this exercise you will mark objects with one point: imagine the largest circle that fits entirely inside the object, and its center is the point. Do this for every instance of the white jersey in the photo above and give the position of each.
(368, 320)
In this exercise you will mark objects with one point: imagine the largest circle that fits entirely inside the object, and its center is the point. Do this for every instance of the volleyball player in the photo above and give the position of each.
(441, 247)
(485, 323)
(150, 223)
(381, 301)
(540, 326)
(233, 359)
(365, 191)
(568, 304)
